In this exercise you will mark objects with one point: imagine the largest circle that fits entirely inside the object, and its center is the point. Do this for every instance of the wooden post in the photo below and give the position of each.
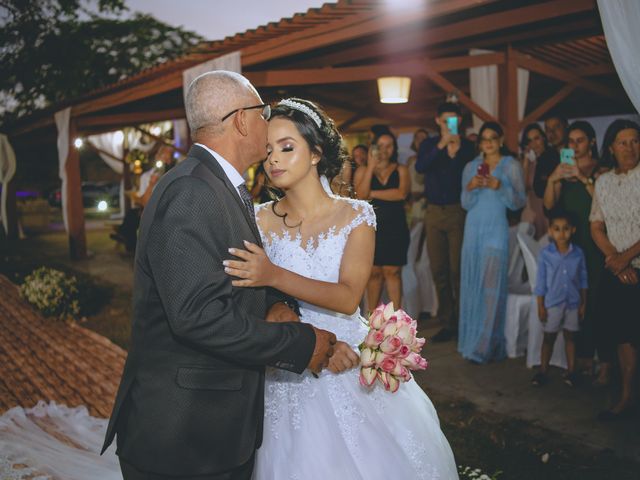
(74, 208)
(126, 172)
(509, 105)
(12, 211)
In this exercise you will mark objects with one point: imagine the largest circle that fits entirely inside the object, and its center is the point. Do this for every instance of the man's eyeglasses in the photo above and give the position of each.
(266, 111)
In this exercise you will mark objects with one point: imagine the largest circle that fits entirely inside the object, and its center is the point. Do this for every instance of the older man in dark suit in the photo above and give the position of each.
(190, 403)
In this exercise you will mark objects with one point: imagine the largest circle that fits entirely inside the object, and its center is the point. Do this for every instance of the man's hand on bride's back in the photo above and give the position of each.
(343, 359)
(254, 269)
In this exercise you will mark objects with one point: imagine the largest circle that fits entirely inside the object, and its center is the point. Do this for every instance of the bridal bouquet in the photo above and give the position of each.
(390, 349)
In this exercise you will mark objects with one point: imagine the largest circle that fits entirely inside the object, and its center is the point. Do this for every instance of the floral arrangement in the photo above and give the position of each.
(390, 349)
(52, 292)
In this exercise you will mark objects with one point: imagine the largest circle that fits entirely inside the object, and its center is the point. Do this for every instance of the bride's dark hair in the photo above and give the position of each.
(325, 140)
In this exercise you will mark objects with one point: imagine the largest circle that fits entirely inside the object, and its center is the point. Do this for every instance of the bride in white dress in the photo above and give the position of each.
(319, 249)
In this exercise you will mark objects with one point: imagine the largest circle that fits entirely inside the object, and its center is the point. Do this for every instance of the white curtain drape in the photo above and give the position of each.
(62, 123)
(484, 89)
(231, 62)
(620, 20)
(7, 171)
(112, 143)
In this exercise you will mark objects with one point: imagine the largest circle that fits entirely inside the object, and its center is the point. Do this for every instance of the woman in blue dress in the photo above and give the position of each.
(491, 183)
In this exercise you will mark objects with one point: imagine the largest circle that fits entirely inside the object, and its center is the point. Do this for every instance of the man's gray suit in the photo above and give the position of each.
(191, 397)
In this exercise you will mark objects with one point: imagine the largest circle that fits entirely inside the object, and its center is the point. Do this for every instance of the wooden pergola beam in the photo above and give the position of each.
(317, 76)
(465, 100)
(349, 28)
(510, 101)
(473, 27)
(547, 105)
(129, 119)
(73, 204)
(567, 76)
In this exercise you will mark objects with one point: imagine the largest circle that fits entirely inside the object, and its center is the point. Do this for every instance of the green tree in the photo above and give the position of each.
(59, 49)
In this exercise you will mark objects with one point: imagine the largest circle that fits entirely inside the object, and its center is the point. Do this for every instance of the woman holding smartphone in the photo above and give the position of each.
(491, 184)
(570, 188)
(386, 183)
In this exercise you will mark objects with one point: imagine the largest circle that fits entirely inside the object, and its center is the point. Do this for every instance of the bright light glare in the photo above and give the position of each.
(118, 136)
(78, 143)
(156, 130)
(159, 164)
(102, 206)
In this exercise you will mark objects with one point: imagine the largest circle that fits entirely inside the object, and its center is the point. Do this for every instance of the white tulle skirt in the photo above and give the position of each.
(53, 441)
(332, 427)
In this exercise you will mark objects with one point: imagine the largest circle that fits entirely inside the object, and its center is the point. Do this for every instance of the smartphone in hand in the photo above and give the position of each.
(483, 170)
(452, 125)
(567, 156)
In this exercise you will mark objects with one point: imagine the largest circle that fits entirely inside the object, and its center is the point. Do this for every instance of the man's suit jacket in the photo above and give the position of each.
(191, 397)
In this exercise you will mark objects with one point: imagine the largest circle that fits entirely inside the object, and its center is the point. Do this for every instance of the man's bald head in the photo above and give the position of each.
(214, 94)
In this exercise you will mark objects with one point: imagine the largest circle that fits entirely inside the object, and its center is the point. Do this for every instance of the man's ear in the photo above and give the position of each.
(240, 122)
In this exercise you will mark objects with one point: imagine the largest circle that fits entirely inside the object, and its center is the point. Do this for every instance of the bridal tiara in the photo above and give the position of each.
(304, 109)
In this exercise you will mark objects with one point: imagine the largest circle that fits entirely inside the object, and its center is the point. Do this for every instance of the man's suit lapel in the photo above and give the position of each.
(212, 164)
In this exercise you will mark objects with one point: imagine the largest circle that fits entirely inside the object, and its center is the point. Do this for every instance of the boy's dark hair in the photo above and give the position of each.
(558, 214)
(449, 107)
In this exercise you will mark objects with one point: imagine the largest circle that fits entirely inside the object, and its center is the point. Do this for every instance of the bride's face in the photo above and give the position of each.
(289, 157)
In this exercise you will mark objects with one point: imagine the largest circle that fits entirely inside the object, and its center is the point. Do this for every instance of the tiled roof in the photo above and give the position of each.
(45, 359)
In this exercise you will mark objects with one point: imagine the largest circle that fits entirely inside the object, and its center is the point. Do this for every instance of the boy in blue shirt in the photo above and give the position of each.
(561, 288)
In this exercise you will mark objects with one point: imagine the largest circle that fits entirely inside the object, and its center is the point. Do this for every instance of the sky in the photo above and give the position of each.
(217, 19)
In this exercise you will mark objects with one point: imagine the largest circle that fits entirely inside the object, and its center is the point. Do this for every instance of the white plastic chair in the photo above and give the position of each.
(530, 250)
(418, 289)
(519, 298)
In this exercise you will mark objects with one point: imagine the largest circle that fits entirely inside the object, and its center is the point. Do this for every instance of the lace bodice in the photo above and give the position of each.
(319, 257)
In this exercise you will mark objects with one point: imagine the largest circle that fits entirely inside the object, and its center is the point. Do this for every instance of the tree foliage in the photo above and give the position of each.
(58, 49)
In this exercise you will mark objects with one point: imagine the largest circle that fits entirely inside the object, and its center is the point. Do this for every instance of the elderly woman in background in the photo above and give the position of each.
(491, 184)
(615, 226)
(386, 183)
(533, 144)
(570, 188)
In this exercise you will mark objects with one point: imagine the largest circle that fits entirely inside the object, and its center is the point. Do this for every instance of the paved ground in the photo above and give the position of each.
(503, 388)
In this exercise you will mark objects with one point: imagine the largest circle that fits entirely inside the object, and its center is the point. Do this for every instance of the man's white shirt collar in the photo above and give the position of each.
(229, 170)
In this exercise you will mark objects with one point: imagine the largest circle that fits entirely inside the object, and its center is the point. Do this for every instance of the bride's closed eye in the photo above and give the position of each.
(287, 148)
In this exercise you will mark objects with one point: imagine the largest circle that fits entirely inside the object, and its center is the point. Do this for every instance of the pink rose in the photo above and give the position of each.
(390, 328)
(373, 339)
(376, 320)
(401, 372)
(404, 333)
(368, 376)
(388, 364)
(388, 311)
(367, 357)
(404, 351)
(417, 345)
(394, 383)
(414, 361)
(391, 345)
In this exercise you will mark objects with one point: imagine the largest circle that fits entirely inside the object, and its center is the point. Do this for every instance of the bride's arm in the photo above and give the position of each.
(256, 270)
